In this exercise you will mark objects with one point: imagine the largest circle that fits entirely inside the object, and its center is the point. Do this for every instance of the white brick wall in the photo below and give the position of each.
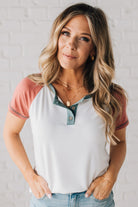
(24, 31)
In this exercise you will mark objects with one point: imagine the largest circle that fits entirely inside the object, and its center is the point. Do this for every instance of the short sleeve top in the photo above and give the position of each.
(69, 143)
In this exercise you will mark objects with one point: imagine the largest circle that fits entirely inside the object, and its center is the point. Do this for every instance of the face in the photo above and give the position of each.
(75, 44)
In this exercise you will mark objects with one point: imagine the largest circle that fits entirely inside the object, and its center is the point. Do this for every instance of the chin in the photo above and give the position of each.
(68, 66)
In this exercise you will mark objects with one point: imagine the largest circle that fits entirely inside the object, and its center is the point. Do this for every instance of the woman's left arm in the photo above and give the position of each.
(102, 185)
(117, 155)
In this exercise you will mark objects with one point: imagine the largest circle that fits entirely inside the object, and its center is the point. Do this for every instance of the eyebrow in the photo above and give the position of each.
(81, 33)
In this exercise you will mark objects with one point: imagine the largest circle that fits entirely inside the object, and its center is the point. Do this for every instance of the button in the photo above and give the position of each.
(73, 107)
(70, 118)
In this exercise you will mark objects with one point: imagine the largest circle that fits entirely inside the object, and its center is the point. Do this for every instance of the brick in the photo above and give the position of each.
(113, 13)
(4, 64)
(133, 133)
(122, 72)
(6, 203)
(130, 36)
(16, 186)
(134, 116)
(4, 37)
(4, 87)
(9, 76)
(65, 3)
(32, 50)
(134, 73)
(9, 26)
(124, 48)
(131, 158)
(35, 26)
(3, 13)
(22, 198)
(12, 51)
(126, 203)
(131, 174)
(38, 13)
(123, 24)
(9, 3)
(118, 196)
(27, 38)
(115, 4)
(134, 48)
(132, 86)
(131, 61)
(46, 3)
(39, 3)
(22, 63)
(54, 12)
(4, 182)
(17, 13)
(135, 25)
(27, 3)
(130, 12)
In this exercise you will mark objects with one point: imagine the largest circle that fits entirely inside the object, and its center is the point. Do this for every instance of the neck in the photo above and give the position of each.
(71, 77)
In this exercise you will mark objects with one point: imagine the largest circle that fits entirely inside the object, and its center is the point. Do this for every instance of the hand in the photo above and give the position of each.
(39, 186)
(101, 187)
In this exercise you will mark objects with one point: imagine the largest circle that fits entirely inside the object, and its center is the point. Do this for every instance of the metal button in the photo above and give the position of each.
(70, 118)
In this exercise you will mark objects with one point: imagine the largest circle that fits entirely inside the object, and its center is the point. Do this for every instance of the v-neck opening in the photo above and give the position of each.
(57, 97)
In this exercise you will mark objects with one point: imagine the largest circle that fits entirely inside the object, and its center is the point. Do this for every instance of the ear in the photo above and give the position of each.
(92, 53)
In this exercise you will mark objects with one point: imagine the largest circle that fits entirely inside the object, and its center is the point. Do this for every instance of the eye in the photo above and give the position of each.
(85, 39)
(65, 33)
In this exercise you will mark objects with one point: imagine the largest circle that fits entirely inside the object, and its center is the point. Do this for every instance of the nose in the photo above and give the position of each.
(72, 44)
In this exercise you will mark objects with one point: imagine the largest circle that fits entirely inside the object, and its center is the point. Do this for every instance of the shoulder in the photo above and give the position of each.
(23, 96)
(119, 94)
(27, 90)
(26, 84)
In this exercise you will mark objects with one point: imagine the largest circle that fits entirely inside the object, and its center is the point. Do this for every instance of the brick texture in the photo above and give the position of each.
(24, 32)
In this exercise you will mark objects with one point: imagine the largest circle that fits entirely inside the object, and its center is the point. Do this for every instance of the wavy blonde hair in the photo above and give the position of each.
(98, 74)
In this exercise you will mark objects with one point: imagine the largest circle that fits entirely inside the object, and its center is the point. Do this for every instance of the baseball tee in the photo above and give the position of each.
(69, 142)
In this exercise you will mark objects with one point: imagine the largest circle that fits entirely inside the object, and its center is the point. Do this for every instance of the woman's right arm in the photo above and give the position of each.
(13, 126)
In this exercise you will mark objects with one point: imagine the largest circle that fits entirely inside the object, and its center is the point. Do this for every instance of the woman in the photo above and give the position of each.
(74, 109)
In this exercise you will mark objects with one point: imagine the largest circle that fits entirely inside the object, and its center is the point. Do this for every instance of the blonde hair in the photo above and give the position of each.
(98, 74)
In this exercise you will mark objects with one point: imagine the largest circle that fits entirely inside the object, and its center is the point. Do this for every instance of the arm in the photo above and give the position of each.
(117, 155)
(102, 186)
(12, 128)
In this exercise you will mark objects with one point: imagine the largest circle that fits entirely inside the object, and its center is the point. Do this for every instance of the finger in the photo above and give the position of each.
(38, 190)
(90, 190)
(101, 192)
(97, 194)
(41, 192)
(39, 195)
(100, 196)
(45, 187)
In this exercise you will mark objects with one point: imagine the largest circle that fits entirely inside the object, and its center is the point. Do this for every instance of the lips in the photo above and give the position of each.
(70, 56)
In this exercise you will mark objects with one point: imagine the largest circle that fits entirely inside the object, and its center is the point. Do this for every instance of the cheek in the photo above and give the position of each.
(85, 52)
(60, 44)
(59, 50)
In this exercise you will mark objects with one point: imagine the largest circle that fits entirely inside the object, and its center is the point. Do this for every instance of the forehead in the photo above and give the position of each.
(78, 23)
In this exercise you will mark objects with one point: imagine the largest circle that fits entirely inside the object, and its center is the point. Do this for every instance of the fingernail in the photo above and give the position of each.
(49, 196)
(86, 195)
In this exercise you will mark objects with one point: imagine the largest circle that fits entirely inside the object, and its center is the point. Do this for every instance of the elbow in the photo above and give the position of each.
(8, 134)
